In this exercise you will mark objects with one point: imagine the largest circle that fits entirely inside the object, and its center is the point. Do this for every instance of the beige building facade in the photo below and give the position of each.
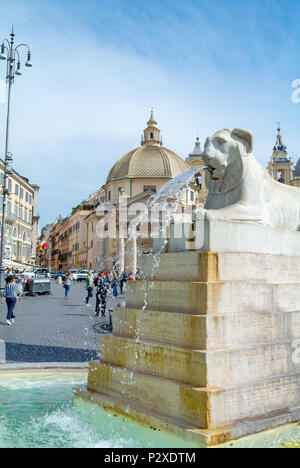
(21, 224)
(68, 242)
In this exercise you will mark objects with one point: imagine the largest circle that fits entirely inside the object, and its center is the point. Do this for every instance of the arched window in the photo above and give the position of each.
(151, 136)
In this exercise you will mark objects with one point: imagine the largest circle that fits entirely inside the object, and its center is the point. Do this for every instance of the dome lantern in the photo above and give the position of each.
(152, 134)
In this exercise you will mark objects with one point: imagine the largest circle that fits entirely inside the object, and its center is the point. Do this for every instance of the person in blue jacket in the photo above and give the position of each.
(10, 293)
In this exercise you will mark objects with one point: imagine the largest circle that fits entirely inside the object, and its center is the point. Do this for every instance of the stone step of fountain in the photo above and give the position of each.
(200, 368)
(223, 266)
(213, 298)
(213, 411)
(157, 394)
(142, 414)
(203, 438)
(206, 331)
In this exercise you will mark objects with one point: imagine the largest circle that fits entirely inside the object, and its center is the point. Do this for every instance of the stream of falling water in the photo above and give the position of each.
(166, 201)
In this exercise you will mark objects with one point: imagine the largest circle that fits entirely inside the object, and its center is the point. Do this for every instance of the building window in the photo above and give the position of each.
(21, 193)
(150, 188)
(30, 218)
(9, 186)
(16, 189)
(151, 136)
(109, 196)
(9, 208)
(26, 196)
(26, 216)
(15, 250)
(30, 199)
(19, 251)
(7, 253)
(21, 213)
(24, 252)
(192, 196)
(28, 253)
(15, 233)
(24, 236)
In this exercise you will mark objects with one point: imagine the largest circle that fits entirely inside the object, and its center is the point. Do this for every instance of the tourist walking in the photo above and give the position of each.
(10, 293)
(7, 273)
(101, 293)
(67, 284)
(114, 283)
(123, 281)
(89, 288)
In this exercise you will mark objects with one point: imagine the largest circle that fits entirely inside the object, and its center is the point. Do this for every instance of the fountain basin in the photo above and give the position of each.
(38, 410)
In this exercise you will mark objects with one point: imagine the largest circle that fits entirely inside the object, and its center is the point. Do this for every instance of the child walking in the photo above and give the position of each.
(10, 293)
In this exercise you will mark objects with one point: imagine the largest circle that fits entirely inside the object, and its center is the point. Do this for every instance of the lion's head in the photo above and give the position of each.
(223, 155)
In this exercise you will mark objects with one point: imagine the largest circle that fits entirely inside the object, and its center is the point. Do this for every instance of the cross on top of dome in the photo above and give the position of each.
(152, 122)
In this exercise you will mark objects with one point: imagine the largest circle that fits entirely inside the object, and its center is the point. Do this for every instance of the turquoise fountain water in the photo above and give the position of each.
(39, 411)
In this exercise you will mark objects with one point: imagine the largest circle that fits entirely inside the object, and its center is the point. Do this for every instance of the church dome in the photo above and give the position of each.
(151, 160)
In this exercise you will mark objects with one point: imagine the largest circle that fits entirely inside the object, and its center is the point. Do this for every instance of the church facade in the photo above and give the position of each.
(132, 181)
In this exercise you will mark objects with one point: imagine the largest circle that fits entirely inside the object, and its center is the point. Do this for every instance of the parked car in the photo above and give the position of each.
(61, 274)
(82, 275)
(74, 273)
(29, 274)
(42, 272)
(53, 274)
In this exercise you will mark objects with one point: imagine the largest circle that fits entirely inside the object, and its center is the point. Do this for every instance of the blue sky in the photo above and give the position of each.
(100, 65)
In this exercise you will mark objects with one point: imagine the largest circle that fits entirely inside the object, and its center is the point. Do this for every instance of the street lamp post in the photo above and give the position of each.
(10, 53)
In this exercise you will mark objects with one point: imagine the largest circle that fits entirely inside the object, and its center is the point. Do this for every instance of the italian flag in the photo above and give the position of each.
(43, 244)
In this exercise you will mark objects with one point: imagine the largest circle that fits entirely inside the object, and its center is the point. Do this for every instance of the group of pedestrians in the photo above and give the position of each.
(104, 282)
(101, 283)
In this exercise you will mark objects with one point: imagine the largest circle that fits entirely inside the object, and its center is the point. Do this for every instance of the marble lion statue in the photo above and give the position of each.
(240, 189)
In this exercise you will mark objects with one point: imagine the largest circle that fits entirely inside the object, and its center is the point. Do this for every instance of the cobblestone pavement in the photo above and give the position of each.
(50, 329)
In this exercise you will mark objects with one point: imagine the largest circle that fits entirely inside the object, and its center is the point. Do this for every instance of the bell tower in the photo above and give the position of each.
(280, 166)
(152, 134)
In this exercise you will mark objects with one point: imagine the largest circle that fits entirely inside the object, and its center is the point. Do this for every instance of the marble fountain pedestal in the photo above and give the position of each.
(212, 358)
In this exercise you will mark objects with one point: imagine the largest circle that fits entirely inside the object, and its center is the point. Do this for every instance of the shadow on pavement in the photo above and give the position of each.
(16, 352)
